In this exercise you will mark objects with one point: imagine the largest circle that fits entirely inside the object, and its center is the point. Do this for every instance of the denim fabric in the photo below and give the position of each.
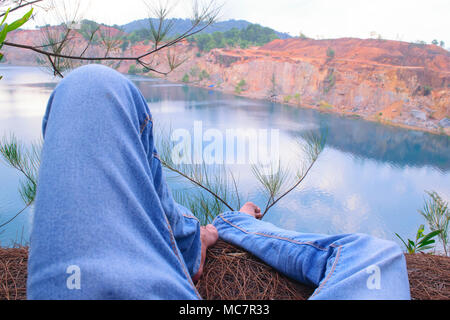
(103, 204)
(348, 266)
(103, 208)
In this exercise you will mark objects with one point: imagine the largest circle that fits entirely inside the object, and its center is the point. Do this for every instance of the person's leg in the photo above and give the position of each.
(351, 266)
(105, 225)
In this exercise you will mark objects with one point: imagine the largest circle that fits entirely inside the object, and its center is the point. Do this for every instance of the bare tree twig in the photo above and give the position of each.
(203, 18)
(20, 6)
(197, 183)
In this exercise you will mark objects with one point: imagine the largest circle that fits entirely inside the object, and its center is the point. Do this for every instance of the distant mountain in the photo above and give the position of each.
(181, 25)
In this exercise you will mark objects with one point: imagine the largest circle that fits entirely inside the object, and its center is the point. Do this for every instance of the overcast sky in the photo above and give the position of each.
(407, 20)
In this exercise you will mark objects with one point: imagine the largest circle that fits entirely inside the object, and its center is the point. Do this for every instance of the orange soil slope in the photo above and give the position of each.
(388, 81)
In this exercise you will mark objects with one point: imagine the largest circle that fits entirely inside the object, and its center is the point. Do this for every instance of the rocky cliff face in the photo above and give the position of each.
(388, 81)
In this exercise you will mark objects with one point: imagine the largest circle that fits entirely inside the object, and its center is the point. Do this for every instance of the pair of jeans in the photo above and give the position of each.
(106, 226)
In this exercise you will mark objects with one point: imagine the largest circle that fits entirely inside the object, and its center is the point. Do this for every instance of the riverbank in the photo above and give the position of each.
(392, 82)
(243, 276)
(323, 108)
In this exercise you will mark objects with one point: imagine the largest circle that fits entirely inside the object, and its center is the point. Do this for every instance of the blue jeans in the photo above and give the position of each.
(105, 224)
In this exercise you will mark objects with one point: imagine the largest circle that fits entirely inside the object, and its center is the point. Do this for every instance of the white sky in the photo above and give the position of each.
(407, 20)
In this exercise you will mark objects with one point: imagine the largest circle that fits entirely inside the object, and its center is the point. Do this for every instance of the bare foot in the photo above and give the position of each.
(208, 237)
(251, 209)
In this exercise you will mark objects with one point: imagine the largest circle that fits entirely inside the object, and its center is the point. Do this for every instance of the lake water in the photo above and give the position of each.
(370, 178)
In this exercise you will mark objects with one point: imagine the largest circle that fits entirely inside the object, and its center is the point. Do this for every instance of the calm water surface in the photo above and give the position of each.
(370, 178)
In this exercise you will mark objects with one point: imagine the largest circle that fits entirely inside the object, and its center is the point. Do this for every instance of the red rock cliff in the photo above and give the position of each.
(389, 81)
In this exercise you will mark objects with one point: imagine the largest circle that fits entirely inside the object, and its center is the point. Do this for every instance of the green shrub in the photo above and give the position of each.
(240, 87)
(437, 214)
(323, 105)
(195, 72)
(330, 81)
(287, 98)
(185, 78)
(330, 53)
(203, 75)
(427, 90)
(298, 98)
(252, 35)
(423, 241)
(133, 69)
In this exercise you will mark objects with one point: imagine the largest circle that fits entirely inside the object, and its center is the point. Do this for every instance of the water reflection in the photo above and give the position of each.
(362, 139)
(371, 178)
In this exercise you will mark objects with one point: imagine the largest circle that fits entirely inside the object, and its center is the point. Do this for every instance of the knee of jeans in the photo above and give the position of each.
(387, 248)
(93, 75)
(100, 83)
(394, 249)
(365, 240)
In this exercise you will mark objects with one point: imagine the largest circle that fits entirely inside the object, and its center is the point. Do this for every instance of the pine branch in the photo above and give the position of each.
(20, 6)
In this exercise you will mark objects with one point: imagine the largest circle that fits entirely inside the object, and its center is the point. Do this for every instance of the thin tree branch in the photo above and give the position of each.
(290, 189)
(13, 218)
(206, 16)
(21, 6)
(198, 184)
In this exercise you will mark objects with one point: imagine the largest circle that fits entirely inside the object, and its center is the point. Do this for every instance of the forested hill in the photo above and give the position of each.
(181, 25)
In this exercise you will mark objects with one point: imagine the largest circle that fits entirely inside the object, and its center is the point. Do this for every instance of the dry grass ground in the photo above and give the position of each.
(231, 273)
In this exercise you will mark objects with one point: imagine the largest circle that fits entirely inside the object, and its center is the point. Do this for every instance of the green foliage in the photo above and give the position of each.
(438, 43)
(240, 86)
(253, 35)
(88, 30)
(197, 73)
(281, 181)
(5, 28)
(287, 98)
(437, 214)
(125, 45)
(215, 189)
(185, 78)
(203, 75)
(420, 43)
(302, 36)
(330, 81)
(133, 69)
(330, 53)
(298, 98)
(423, 241)
(274, 88)
(323, 105)
(27, 162)
(427, 90)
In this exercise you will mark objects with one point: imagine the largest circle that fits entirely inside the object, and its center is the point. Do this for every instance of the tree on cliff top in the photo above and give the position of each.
(252, 35)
